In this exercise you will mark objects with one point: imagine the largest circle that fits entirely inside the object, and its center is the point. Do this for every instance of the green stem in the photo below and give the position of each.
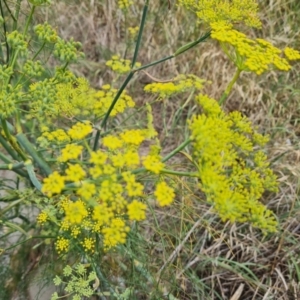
(178, 173)
(120, 91)
(17, 9)
(28, 21)
(153, 63)
(191, 44)
(177, 52)
(230, 86)
(7, 147)
(9, 207)
(4, 158)
(139, 38)
(175, 151)
(12, 141)
(32, 176)
(22, 139)
(39, 51)
(4, 33)
(12, 166)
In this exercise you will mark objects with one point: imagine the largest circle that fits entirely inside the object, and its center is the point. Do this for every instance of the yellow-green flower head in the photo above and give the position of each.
(124, 4)
(112, 142)
(164, 194)
(80, 130)
(75, 173)
(53, 184)
(233, 11)
(153, 163)
(71, 151)
(46, 33)
(181, 83)
(58, 136)
(33, 68)
(86, 190)
(136, 210)
(42, 218)
(133, 31)
(105, 97)
(62, 245)
(67, 51)
(75, 212)
(8, 100)
(133, 137)
(17, 42)
(223, 147)
(248, 55)
(5, 72)
(88, 245)
(292, 54)
(120, 65)
(115, 233)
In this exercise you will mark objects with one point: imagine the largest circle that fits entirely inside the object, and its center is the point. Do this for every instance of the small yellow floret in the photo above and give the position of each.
(42, 218)
(80, 130)
(54, 184)
(75, 212)
(153, 163)
(62, 245)
(136, 210)
(164, 194)
(71, 151)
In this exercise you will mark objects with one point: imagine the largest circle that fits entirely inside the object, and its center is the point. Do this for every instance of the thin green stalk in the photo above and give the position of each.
(153, 63)
(175, 151)
(7, 147)
(141, 29)
(12, 140)
(22, 139)
(17, 10)
(9, 207)
(9, 10)
(177, 52)
(5, 159)
(111, 108)
(4, 33)
(29, 19)
(178, 173)
(191, 44)
(39, 51)
(12, 166)
(32, 176)
(230, 86)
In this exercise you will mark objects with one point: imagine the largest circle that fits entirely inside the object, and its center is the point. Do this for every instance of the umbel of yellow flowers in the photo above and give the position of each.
(233, 172)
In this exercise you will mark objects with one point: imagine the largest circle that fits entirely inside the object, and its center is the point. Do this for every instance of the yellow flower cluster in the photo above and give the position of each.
(251, 55)
(106, 192)
(106, 96)
(72, 98)
(223, 146)
(180, 84)
(133, 31)
(124, 4)
(164, 194)
(58, 136)
(120, 65)
(42, 218)
(234, 11)
(292, 54)
(80, 130)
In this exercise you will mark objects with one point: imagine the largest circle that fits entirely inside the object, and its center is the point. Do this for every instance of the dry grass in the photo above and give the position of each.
(211, 260)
